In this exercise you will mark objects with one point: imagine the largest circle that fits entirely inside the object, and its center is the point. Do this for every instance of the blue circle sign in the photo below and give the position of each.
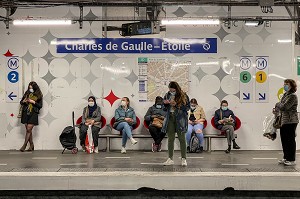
(13, 76)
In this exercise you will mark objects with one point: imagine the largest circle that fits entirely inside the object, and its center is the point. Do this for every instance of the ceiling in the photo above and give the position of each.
(141, 3)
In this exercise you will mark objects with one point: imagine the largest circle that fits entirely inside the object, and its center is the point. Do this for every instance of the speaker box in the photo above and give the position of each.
(266, 2)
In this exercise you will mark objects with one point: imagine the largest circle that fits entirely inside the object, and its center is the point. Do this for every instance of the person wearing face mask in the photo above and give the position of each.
(91, 116)
(31, 102)
(197, 118)
(287, 108)
(177, 105)
(225, 121)
(155, 116)
(125, 119)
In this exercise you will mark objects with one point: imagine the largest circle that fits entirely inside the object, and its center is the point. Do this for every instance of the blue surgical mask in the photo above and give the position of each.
(158, 106)
(224, 108)
(286, 88)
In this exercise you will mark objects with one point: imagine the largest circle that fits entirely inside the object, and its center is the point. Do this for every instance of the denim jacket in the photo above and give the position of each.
(121, 114)
(181, 115)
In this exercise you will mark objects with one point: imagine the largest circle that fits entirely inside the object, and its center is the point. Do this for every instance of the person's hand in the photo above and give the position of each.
(31, 101)
(87, 123)
(25, 100)
(221, 121)
(173, 103)
(92, 122)
(166, 102)
(191, 122)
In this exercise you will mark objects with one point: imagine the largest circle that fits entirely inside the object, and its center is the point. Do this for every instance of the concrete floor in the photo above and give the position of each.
(51, 170)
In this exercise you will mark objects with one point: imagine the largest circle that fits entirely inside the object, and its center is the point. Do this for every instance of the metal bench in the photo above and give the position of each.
(109, 136)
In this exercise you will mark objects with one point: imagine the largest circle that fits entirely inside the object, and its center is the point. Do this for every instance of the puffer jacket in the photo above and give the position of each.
(121, 114)
(288, 108)
(154, 111)
(181, 115)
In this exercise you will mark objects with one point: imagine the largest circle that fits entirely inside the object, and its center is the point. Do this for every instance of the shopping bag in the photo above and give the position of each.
(89, 143)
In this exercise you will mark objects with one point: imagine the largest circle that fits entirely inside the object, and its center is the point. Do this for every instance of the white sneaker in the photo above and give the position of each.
(123, 150)
(133, 141)
(96, 150)
(289, 163)
(183, 162)
(281, 161)
(168, 162)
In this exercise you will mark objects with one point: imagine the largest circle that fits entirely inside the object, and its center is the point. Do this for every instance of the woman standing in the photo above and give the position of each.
(32, 102)
(125, 119)
(289, 120)
(177, 104)
(197, 118)
(91, 116)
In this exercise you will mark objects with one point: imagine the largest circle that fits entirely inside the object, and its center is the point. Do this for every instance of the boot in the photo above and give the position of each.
(22, 149)
(235, 146)
(228, 150)
(31, 148)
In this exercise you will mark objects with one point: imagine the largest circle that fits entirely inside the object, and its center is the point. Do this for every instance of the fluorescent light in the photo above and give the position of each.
(284, 41)
(35, 22)
(252, 23)
(190, 22)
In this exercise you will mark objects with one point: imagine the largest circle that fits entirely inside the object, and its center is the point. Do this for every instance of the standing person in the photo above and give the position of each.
(32, 102)
(177, 105)
(155, 116)
(91, 116)
(197, 118)
(289, 120)
(225, 121)
(125, 119)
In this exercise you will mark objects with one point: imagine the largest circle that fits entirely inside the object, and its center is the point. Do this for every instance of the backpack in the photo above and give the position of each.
(194, 143)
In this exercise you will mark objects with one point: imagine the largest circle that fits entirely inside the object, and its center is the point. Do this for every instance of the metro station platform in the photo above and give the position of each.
(51, 170)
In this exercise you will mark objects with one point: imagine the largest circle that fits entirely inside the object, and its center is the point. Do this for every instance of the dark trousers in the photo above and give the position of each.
(288, 134)
(83, 132)
(156, 134)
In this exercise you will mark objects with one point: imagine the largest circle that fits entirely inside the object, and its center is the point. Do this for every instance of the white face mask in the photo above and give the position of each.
(123, 103)
(91, 104)
(31, 90)
(173, 93)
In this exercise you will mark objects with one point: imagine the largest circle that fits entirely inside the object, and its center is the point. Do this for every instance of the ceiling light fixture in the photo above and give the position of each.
(284, 41)
(36, 22)
(190, 22)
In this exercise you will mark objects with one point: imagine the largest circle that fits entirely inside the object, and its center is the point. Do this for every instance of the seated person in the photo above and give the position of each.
(196, 117)
(91, 116)
(225, 121)
(125, 119)
(155, 116)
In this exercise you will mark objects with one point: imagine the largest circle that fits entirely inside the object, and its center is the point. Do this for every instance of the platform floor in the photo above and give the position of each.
(51, 170)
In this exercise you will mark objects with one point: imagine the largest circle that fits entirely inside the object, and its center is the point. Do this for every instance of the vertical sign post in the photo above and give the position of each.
(143, 78)
(13, 68)
(246, 82)
(262, 80)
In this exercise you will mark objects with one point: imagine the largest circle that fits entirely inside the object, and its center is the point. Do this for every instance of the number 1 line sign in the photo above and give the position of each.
(262, 80)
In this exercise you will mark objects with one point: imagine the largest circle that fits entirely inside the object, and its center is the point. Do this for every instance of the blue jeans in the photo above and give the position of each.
(126, 129)
(195, 128)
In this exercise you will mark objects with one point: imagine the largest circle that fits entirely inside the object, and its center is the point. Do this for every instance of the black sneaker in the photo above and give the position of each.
(188, 149)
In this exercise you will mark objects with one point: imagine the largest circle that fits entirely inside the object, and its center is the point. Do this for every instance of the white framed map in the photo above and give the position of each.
(156, 73)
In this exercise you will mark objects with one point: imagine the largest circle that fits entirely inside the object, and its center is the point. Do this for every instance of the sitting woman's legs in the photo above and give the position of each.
(126, 132)
(189, 134)
(95, 132)
(82, 134)
(199, 133)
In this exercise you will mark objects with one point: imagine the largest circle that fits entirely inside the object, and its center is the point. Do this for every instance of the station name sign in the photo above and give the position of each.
(135, 45)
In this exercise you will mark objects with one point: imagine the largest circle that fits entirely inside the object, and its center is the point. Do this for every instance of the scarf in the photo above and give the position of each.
(91, 110)
(34, 98)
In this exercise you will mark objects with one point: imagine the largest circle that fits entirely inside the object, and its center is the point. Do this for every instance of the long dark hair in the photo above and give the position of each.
(180, 97)
(36, 90)
(194, 101)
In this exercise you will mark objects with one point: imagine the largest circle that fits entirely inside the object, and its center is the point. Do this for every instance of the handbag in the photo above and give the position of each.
(277, 121)
(157, 122)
